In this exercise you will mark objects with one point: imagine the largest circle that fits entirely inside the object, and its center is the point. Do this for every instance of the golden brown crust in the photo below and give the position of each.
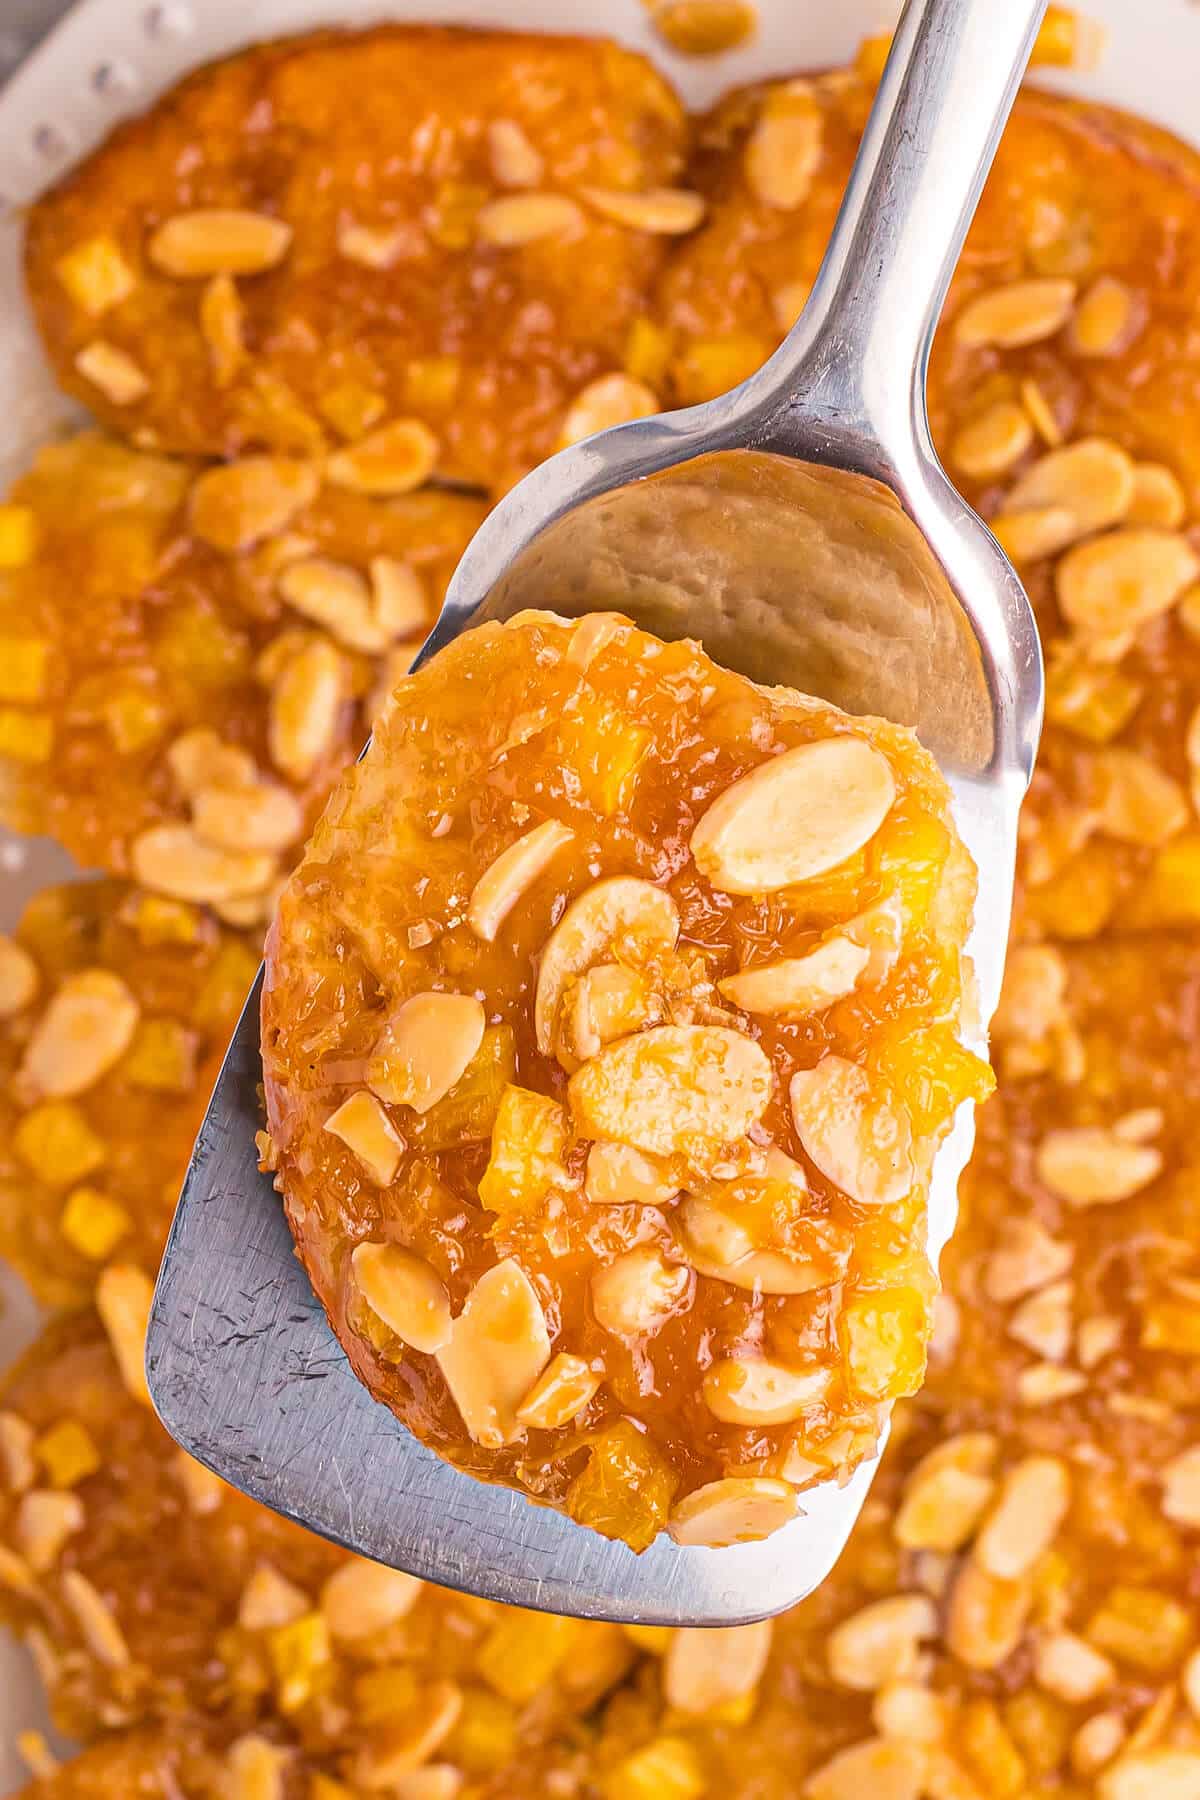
(487, 344)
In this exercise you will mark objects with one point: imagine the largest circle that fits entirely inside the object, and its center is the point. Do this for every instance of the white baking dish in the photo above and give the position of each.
(111, 57)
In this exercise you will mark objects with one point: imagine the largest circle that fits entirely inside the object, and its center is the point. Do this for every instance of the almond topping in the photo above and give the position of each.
(518, 219)
(86, 1029)
(405, 1293)
(393, 460)
(515, 870)
(622, 911)
(1032, 1505)
(1089, 1165)
(45, 1521)
(263, 817)
(498, 1347)
(784, 149)
(744, 1391)
(609, 400)
(364, 1127)
(363, 1598)
(94, 1617)
(799, 984)
(114, 372)
(560, 1393)
(618, 1175)
(236, 504)
(516, 163)
(794, 817)
(635, 1295)
(881, 1642)
(852, 1133)
(703, 1669)
(1117, 582)
(1023, 312)
(18, 977)
(673, 1090)
(219, 241)
(1091, 479)
(307, 697)
(123, 1299)
(736, 1510)
(990, 444)
(174, 860)
(1158, 498)
(425, 1048)
(1105, 319)
(222, 323)
(664, 211)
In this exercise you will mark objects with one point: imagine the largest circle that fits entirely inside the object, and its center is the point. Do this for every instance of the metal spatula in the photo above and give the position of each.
(802, 528)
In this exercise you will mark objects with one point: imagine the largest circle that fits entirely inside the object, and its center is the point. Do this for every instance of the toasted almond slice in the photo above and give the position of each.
(97, 275)
(18, 977)
(1120, 580)
(1026, 1258)
(307, 696)
(498, 1347)
(881, 1642)
(516, 163)
(1158, 497)
(1090, 1166)
(123, 1299)
(222, 326)
(1137, 802)
(16, 1453)
(113, 371)
(46, 1519)
(1023, 312)
(1105, 319)
(884, 1768)
(1042, 1321)
(717, 1244)
(263, 817)
(799, 984)
(854, 1135)
(398, 599)
(362, 1599)
(609, 400)
(405, 1293)
(735, 1510)
(560, 1393)
(363, 1126)
(424, 1049)
(1091, 479)
(1041, 413)
(97, 1624)
(641, 918)
(618, 1175)
(1027, 537)
(794, 817)
(269, 1599)
(664, 211)
(1024, 1522)
(86, 1029)
(636, 1294)
(174, 860)
(758, 1391)
(200, 759)
(393, 460)
(515, 220)
(234, 505)
(516, 869)
(673, 1090)
(704, 1668)
(989, 445)
(219, 241)
(985, 1616)
(784, 149)
(609, 1002)
(336, 596)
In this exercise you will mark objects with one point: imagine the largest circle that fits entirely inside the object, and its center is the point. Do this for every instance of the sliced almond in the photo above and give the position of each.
(405, 1293)
(1158, 498)
(673, 1090)
(1068, 1667)
(114, 372)
(269, 1599)
(794, 817)
(219, 241)
(637, 1293)
(263, 817)
(641, 918)
(235, 505)
(425, 1048)
(200, 759)
(222, 325)
(884, 1768)
(881, 1642)
(505, 880)
(97, 1623)
(1023, 312)
(666, 212)
(334, 595)
(124, 1295)
(374, 246)
(1118, 581)
(852, 1132)
(618, 1175)
(498, 1347)
(609, 400)
(1089, 1165)
(362, 1599)
(735, 1510)
(758, 1391)
(609, 1002)
(989, 445)
(1105, 320)
(393, 460)
(1136, 801)
(16, 1453)
(1026, 1257)
(364, 1127)
(46, 1521)
(97, 275)
(307, 697)
(716, 1242)
(783, 151)
(84, 1031)
(560, 1393)
(1092, 480)
(986, 1616)
(398, 598)
(1028, 537)
(799, 984)
(1033, 1502)
(706, 1668)
(516, 163)
(175, 860)
(942, 1507)
(1043, 1321)
(515, 220)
